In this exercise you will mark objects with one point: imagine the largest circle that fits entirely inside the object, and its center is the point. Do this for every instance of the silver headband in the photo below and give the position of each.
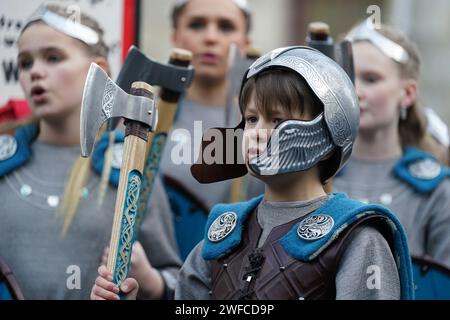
(242, 4)
(67, 26)
(367, 31)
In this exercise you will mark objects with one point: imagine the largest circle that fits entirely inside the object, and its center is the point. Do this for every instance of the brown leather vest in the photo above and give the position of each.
(280, 276)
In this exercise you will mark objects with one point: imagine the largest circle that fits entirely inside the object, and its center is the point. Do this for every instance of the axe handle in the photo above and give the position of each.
(320, 39)
(167, 108)
(239, 185)
(127, 201)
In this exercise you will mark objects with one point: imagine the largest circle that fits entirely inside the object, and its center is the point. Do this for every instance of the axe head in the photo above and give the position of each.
(238, 65)
(104, 100)
(138, 67)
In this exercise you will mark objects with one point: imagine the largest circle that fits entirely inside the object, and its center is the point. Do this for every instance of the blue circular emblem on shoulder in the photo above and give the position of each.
(315, 227)
(222, 226)
(8, 146)
(425, 169)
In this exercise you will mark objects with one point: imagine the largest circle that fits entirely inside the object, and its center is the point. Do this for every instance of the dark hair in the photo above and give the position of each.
(177, 10)
(283, 87)
(279, 86)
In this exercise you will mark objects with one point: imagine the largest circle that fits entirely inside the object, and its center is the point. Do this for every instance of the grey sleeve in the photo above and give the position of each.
(157, 236)
(194, 280)
(367, 270)
(438, 229)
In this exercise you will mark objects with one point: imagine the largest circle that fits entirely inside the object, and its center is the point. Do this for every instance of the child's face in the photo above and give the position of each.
(207, 28)
(52, 71)
(379, 87)
(259, 127)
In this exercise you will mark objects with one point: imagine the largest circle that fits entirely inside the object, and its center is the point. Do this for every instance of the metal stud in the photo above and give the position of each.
(53, 201)
(8, 146)
(315, 227)
(386, 199)
(222, 226)
(425, 169)
(25, 190)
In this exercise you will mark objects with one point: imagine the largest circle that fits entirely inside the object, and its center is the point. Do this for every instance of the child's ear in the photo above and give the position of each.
(328, 186)
(103, 63)
(248, 42)
(410, 93)
(174, 39)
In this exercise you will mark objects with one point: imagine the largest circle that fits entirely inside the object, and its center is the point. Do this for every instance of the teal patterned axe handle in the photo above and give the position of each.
(128, 194)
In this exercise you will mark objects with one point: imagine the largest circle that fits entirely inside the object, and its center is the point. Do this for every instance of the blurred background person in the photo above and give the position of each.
(52, 231)
(389, 164)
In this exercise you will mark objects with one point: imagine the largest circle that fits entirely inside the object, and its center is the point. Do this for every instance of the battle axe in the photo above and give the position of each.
(104, 100)
(173, 77)
(167, 108)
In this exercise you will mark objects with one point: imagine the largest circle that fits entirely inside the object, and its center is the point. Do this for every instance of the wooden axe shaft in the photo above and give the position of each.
(167, 108)
(239, 185)
(127, 201)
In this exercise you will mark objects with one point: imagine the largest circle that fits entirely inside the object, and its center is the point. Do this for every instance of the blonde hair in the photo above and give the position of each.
(78, 178)
(413, 129)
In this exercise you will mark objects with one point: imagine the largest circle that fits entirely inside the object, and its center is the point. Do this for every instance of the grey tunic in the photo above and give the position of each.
(177, 163)
(425, 217)
(49, 266)
(366, 248)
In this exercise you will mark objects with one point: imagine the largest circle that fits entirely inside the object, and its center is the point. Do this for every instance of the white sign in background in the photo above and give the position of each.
(13, 13)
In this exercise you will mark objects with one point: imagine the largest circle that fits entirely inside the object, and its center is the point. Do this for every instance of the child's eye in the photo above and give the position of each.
(196, 25)
(226, 26)
(370, 78)
(25, 63)
(251, 119)
(54, 58)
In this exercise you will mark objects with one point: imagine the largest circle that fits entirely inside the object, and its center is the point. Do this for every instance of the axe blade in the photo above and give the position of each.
(91, 117)
(237, 67)
(103, 100)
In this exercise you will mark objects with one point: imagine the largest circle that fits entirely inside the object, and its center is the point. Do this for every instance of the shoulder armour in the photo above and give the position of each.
(15, 150)
(223, 231)
(420, 170)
